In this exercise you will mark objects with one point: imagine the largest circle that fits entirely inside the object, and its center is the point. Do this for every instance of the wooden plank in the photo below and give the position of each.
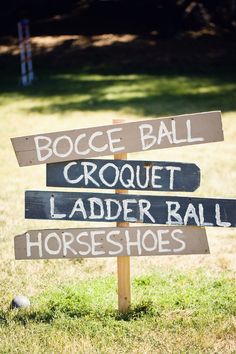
(169, 210)
(111, 242)
(123, 261)
(123, 174)
(188, 129)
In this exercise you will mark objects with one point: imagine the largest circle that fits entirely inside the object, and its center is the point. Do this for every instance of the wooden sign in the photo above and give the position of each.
(111, 242)
(130, 208)
(188, 129)
(123, 174)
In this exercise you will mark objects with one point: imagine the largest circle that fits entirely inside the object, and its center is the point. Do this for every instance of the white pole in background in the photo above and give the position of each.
(24, 80)
(27, 75)
(28, 51)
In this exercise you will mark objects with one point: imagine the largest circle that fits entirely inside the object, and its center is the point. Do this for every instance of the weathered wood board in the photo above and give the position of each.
(168, 210)
(123, 174)
(111, 242)
(188, 129)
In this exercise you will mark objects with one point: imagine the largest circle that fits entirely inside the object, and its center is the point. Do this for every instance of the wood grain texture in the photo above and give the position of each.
(188, 129)
(123, 261)
(130, 208)
(123, 174)
(111, 242)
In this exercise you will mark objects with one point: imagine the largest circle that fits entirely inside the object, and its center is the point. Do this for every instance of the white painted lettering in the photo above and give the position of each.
(78, 207)
(67, 240)
(77, 141)
(162, 242)
(109, 203)
(115, 243)
(30, 244)
(102, 171)
(147, 140)
(129, 183)
(66, 171)
(144, 206)
(95, 244)
(45, 147)
(172, 170)
(218, 217)
(96, 203)
(174, 133)
(177, 235)
(152, 240)
(52, 210)
(91, 143)
(58, 240)
(86, 244)
(191, 214)
(201, 216)
(127, 210)
(155, 177)
(138, 180)
(112, 141)
(189, 133)
(135, 243)
(172, 213)
(163, 132)
(88, 174)
(55, 146)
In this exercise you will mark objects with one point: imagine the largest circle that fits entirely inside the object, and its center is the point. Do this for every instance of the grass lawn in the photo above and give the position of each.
(172, 312)
(181, 304)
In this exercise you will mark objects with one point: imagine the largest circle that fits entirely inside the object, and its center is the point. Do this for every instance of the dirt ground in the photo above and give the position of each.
(130, 52)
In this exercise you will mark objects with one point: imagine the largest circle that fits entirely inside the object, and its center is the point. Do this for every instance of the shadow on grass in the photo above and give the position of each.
(141, 94)
(23, 316)
(195, 297)
(143, 75)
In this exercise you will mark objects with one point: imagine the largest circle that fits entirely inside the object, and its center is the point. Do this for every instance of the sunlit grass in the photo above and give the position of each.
(141, 95)
(172, 311)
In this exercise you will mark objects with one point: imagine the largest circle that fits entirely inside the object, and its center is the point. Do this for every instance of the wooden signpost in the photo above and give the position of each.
(111, 242)
(123, 261)
(181, 219)
(130, 208)
(188, 129)
(122, 174)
